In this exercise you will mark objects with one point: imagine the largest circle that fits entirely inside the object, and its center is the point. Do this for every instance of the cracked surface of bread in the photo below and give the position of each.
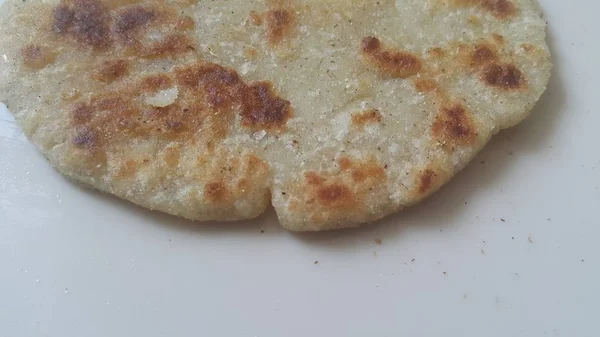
(338, 112)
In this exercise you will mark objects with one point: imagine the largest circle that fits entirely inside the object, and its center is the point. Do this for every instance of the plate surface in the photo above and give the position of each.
(508, 248)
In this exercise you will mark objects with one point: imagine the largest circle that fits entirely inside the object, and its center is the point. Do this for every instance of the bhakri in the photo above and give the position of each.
(337, 112)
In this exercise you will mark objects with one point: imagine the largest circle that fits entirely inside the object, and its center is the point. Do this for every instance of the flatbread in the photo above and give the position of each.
(338, 112)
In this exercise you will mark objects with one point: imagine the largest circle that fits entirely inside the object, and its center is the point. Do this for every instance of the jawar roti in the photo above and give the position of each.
(337, 112)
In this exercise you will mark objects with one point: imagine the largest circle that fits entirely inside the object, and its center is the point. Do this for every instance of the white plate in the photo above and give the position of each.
(509, 248)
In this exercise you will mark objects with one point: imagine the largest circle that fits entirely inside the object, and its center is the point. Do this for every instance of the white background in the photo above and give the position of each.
(77, 263)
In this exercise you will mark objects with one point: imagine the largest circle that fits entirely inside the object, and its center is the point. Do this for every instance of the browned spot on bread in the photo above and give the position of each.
(188, 77)
(360, 119)
(222, 86)
(503, 76)
(154, 83)
(109, 119)
(369, 170)
(482, 55)
(231, 177)
(210, 74)
(127, 169)
(132, 18)
(111, 70)
(313, 178)
(345, 163)
(84, 138)
(254, 163)
(492, 68)
(242, 184)
(339, 195)
(173, 125)
(436, 52)
(253, 169)
(500, 9)
(336, 195)
(426, 179)
(186, 23)
(86, 20)
(426, 85)
(147, 29)
(215, 191)
(279, 23)
(255, 18)
(528, 48)
(172, 44)
(454, 126)
(36, 56)
(109, 103)
(208, 97)
(499, 39)
(82, 113)
(361, 170)
(474, 20)
(397, 64)
(262, 109)
(133, 25)
(370, 44)
(250, 53)
(171, 156)
(430, 87)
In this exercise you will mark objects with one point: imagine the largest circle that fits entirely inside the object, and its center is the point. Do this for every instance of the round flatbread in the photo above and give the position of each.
(338, 112)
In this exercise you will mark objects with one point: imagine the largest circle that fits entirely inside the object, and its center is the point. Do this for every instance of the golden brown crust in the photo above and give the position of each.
(426, 180)
(500, 9)
(37, 57)
(110, 70)
(87, 21)
(454, 126)
(427, 85)
(369, 116)
(499, 39)
(207, 96)
(483, 59)
(215, 192)
(129, 19)
(503, 76)
(262, 108)
(334, 197)
(93, 24)
(482, 55)
(493, 72)
(397, 64)
(255, 18)
(232, 179)
(280, 22)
